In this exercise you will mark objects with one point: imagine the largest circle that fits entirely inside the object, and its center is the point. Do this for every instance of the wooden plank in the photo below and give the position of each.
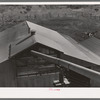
(72, 66)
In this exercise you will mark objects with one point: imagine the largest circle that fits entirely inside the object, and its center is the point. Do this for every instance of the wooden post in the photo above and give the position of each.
(9, 51)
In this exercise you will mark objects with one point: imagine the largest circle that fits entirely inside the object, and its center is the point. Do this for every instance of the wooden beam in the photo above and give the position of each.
(94, 75)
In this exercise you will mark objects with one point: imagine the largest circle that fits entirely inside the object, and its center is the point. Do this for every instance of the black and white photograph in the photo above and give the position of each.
(50, 46)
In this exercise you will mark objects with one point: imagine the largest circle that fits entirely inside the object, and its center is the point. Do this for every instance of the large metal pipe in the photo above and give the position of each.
(94, 75)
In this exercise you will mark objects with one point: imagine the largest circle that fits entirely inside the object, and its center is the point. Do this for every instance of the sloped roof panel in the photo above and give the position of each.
(92, 56)
(44, 36)
(16, 48)
(9, 36)
(47, 42)
(67, 47)
(93, 44)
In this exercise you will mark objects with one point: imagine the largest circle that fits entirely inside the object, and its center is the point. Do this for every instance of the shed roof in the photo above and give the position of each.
(93, 44)
(94, 58)
(65, 45)
(43, 36)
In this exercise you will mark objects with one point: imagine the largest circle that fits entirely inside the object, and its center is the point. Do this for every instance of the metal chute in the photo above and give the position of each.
(94, 75)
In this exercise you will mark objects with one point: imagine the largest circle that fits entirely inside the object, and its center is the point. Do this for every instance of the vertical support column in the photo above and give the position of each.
(61, 75)
(9, 51)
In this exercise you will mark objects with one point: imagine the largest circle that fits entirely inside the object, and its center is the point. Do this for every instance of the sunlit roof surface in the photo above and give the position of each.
(43, 36)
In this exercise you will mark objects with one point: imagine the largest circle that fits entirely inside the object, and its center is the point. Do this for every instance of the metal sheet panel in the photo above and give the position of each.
(44, 36)
(93, 44)
(85, 49)
(48, 42)
(22, 46)
(10, 35)
(68, 47)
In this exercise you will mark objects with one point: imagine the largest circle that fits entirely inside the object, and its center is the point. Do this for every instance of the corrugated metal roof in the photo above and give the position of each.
(44, 36)
(93, 44)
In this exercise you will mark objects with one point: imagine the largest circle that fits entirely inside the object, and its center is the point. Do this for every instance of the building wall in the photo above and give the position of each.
(34, 71)
(44, 80)
(12, 75)
(76, 79)
(93, 83)
(19, 70)
(7, 74)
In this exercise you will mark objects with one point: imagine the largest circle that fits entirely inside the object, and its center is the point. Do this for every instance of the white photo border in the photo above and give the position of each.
(50, 92)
